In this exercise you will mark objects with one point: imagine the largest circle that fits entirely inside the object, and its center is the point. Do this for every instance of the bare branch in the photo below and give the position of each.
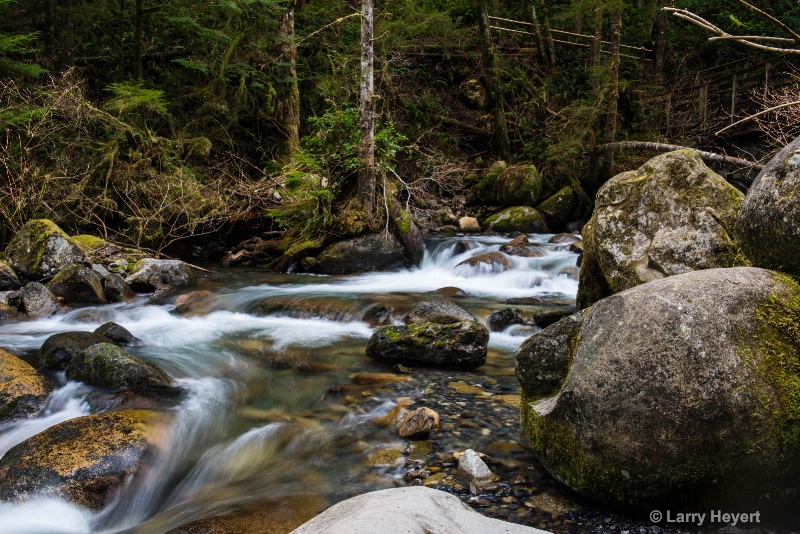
(764, 112)
(663, 147)
(771, 19)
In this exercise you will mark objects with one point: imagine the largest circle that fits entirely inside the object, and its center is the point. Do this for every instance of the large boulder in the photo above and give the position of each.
(558, 209)
(78, 284)
(671, 216)
(59, 349)
(371, 252)
(38, 301)
(41, 248)
(83, 460)
(413, 509)
(8, 278)
(9, 314)
(517, 219)
(490, 262)
(116, 289)
(22, 390)
(439, 312)
(682, 391)
(768, 226)
(107, 365)
(151, 274)
(461, 345)
(509, 185)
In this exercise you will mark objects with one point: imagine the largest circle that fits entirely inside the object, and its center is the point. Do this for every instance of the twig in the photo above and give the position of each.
(764, 112)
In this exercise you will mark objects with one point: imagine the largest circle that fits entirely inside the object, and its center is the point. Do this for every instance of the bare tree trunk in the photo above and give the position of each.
(494, 94)
(612, 95)
(366, 142)
(596, 44)
(138, 36)
(547, 35)
(661, 43)
(290, 93)
(67, 40)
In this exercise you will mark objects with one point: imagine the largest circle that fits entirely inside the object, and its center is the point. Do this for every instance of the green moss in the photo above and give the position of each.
(89, 243)
(294, 248)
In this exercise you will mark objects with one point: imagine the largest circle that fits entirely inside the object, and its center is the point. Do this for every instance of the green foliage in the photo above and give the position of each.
(15, 48)
(133, 97)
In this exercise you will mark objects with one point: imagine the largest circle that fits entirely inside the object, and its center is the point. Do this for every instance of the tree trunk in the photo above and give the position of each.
(494, 95)
(596, 46)
(662, 40)
(67, 40)
(648, 21)
(290, 93)
(612, 95)
(366, 142)
(547, 35)
(138, 36)
(120, 38)
(50, 30)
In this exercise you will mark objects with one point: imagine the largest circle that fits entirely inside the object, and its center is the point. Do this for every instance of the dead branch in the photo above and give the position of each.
(663, 147)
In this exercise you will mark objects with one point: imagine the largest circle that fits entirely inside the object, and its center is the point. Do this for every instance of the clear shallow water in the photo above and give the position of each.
(256, 419)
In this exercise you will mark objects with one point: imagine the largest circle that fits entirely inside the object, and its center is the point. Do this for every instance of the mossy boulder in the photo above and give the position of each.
(109, 366)
(59, 349)
(684, 391)
(8, 278)
(38, 301)
(98, 250)
(461, 345)
(78, 284)
(509, 185)
(116, 289)
(83, 460)
(671, 216)
(439, 312)
(517, 219)
(768, 226)
(41, 248)
(559, 209)
(371, 252)
(150, 275)
(23, 391)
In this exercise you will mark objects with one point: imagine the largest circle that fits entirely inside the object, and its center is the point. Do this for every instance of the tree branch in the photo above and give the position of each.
(770, 18)
(764, 112)
(663, 147)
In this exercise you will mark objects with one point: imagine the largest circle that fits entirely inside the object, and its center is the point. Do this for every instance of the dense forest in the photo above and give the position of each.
(151, 122)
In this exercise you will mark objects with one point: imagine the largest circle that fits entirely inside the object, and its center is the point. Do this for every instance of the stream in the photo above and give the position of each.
(266, 416)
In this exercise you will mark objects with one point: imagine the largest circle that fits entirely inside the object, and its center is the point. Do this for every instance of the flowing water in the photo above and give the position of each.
(257, 421)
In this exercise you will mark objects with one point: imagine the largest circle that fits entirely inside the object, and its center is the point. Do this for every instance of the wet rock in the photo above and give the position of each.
(439, 312)
(518, 241)
(559, 208)
(384, 458)
(83, 460)
(525, 301)
(38, 301)
(378, 315)
(490, 262)
(118, 335)
(697, 370)
(409, 509)
(474, 471)
(116, 289)
(469, 225)
(8, 278)
(372, 252)
(41, 248)
(59, 349)
(420, 474)
(419, 424)
(521, 251)
(451, 291)
(546, 317)
(77, 284)
(377, 379)
(395, 418)
(107, 365)
(768, 225)
(563, 239)
(9, 314)
(23, 391)
(151, 274)
(466, 389)
(518, 219)
(460, 345)
(196, 303)
(500, 320)
(673, 215)
(462, 246)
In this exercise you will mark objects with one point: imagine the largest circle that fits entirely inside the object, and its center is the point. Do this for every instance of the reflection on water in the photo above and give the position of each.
(255, 421)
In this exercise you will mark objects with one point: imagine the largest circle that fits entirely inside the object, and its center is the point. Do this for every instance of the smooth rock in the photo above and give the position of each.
(151, 274)
(59, 349)
(469, 225)
(439, 312)
(558, 209)
(107, 365)
(378, 315)
(502, 319)
(416, 509)
(118, 334)
(196, 303)
(38, 301)
(77, 284)
(510, 185)
(8, 278)
(490, 262)
(367, 253)
(116, 289)
(419, 424)
(9, 314)
(23, 391)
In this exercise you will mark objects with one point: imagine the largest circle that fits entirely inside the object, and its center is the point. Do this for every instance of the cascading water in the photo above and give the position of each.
(254, 419)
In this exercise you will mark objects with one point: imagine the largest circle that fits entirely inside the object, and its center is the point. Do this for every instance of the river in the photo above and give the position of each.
(259, 419)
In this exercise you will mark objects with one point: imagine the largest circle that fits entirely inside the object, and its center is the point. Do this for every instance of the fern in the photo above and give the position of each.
(133, 97)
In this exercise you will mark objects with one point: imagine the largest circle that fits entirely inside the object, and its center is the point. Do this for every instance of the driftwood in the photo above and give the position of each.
(662, 147)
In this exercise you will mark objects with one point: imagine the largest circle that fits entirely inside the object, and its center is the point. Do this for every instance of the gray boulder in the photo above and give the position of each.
(38, 301)
(107, 365)
(461, 345)
(439, 312)
(768, 226)
(116, 289)
(680, 392)
(367, 253)
(671, 216)
(150, 275)
(119, 335)
(8, 278)
(41, 248)
(413, 510)
(77, 284)
(9, 314)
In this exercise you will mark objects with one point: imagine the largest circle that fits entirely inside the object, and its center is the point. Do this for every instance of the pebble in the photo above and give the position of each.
(419, 424)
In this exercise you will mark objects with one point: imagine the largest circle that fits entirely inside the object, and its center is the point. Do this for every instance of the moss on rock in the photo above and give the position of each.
(517, 219)
(107, 365)
(41, 248)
